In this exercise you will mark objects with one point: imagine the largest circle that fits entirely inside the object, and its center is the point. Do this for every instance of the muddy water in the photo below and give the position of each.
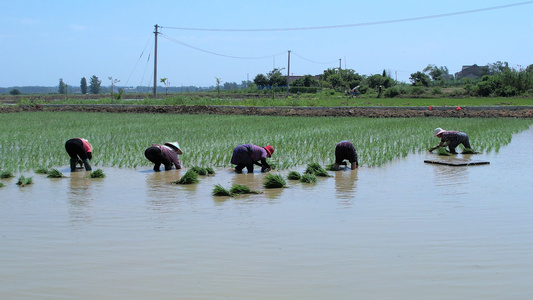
(408, 230)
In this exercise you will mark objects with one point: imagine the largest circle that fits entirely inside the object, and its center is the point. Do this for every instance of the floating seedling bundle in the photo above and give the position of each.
(469, 151)
(24, 181)
(203, 171)
(316, 169)
(54, 173)
(97, 174)
(41, 171)
(237, 189)
(273, 181)
(308, 178)
(189, 177)
(293, 175)
(6, 174)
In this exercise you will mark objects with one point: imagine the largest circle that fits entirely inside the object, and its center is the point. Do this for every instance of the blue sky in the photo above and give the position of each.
(42, 41)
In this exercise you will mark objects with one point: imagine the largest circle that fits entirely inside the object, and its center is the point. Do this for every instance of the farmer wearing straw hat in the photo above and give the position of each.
(451, 139)
(248, 155)
(166, 154)
(80, 152)
(345, 150)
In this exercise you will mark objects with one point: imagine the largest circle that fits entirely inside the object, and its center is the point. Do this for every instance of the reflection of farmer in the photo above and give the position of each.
(80, 151)
(249, 155)
(451, 139)
(166, 154)
(345, 150)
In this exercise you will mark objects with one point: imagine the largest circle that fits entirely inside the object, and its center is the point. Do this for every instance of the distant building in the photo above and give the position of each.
(473, 72)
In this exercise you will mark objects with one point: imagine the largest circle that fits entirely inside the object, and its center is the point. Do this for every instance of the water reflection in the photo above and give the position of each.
(345, 187)
(80, 197)
(454, 179)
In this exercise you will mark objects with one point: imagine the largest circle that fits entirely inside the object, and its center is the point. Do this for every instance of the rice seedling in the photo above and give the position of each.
(317, 170)
(41, 171)
(98, 173)
(210, 171)
(221, 191)
(443, 152)
(240, 189)
(293, 175)
(308, 178)
(54, 173)
(273, 181)
(24, 181)
(189, 177)
(6, 174)
(1, 184)
(377, 141)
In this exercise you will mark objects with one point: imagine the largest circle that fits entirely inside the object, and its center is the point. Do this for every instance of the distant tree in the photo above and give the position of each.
(230, 86)
(275, 78)
(377, 80)
(420, 79)
(498, 67)
(261, 80)
(14, 92)
(218, 85)
(94, 86)
(437, 73)
(335, 80)
(62, 86)
(83, 85)
(306, 81)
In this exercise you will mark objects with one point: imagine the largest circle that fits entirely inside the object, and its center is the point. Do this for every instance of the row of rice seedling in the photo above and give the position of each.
(31, 140)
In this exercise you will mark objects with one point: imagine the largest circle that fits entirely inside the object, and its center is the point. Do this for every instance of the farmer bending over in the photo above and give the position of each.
(166, 154)
(345, 150)
(80, 152)
(249, 155)
(451, 139)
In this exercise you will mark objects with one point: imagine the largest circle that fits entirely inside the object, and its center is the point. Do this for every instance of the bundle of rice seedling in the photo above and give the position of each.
(273, 181)
(1, 184)
(6, 174)
(443, 152)
(24, 181)
(97, 174)
(240, 189)
(210, 171)
(189, 177)
(293, 175)
(308, 178)
(220, 191)
(468, 151)
(316, 169)
(54, 173)
(199, 170)
(41, 171)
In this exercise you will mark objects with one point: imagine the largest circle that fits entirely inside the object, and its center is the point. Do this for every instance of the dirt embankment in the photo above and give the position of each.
(372, 112)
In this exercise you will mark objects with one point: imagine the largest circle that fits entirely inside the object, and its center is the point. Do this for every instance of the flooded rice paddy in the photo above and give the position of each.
(407, 230)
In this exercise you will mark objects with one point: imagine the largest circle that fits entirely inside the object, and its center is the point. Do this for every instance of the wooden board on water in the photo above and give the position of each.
(456, 162)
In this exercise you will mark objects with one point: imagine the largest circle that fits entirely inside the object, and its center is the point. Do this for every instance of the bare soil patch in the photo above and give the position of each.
(372, 112)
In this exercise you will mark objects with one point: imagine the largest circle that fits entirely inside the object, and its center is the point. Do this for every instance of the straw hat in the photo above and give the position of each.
(269, 150)
(175, 146)
(438, 131)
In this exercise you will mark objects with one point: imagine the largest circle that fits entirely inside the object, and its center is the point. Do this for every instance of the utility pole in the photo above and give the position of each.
(288, 71)
(155, 62)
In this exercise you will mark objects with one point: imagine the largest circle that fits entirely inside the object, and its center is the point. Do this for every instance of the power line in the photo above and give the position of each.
(316, 62)
(366, 23)
(214, 53)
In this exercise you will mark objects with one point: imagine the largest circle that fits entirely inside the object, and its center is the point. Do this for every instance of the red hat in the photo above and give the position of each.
(269, 150)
